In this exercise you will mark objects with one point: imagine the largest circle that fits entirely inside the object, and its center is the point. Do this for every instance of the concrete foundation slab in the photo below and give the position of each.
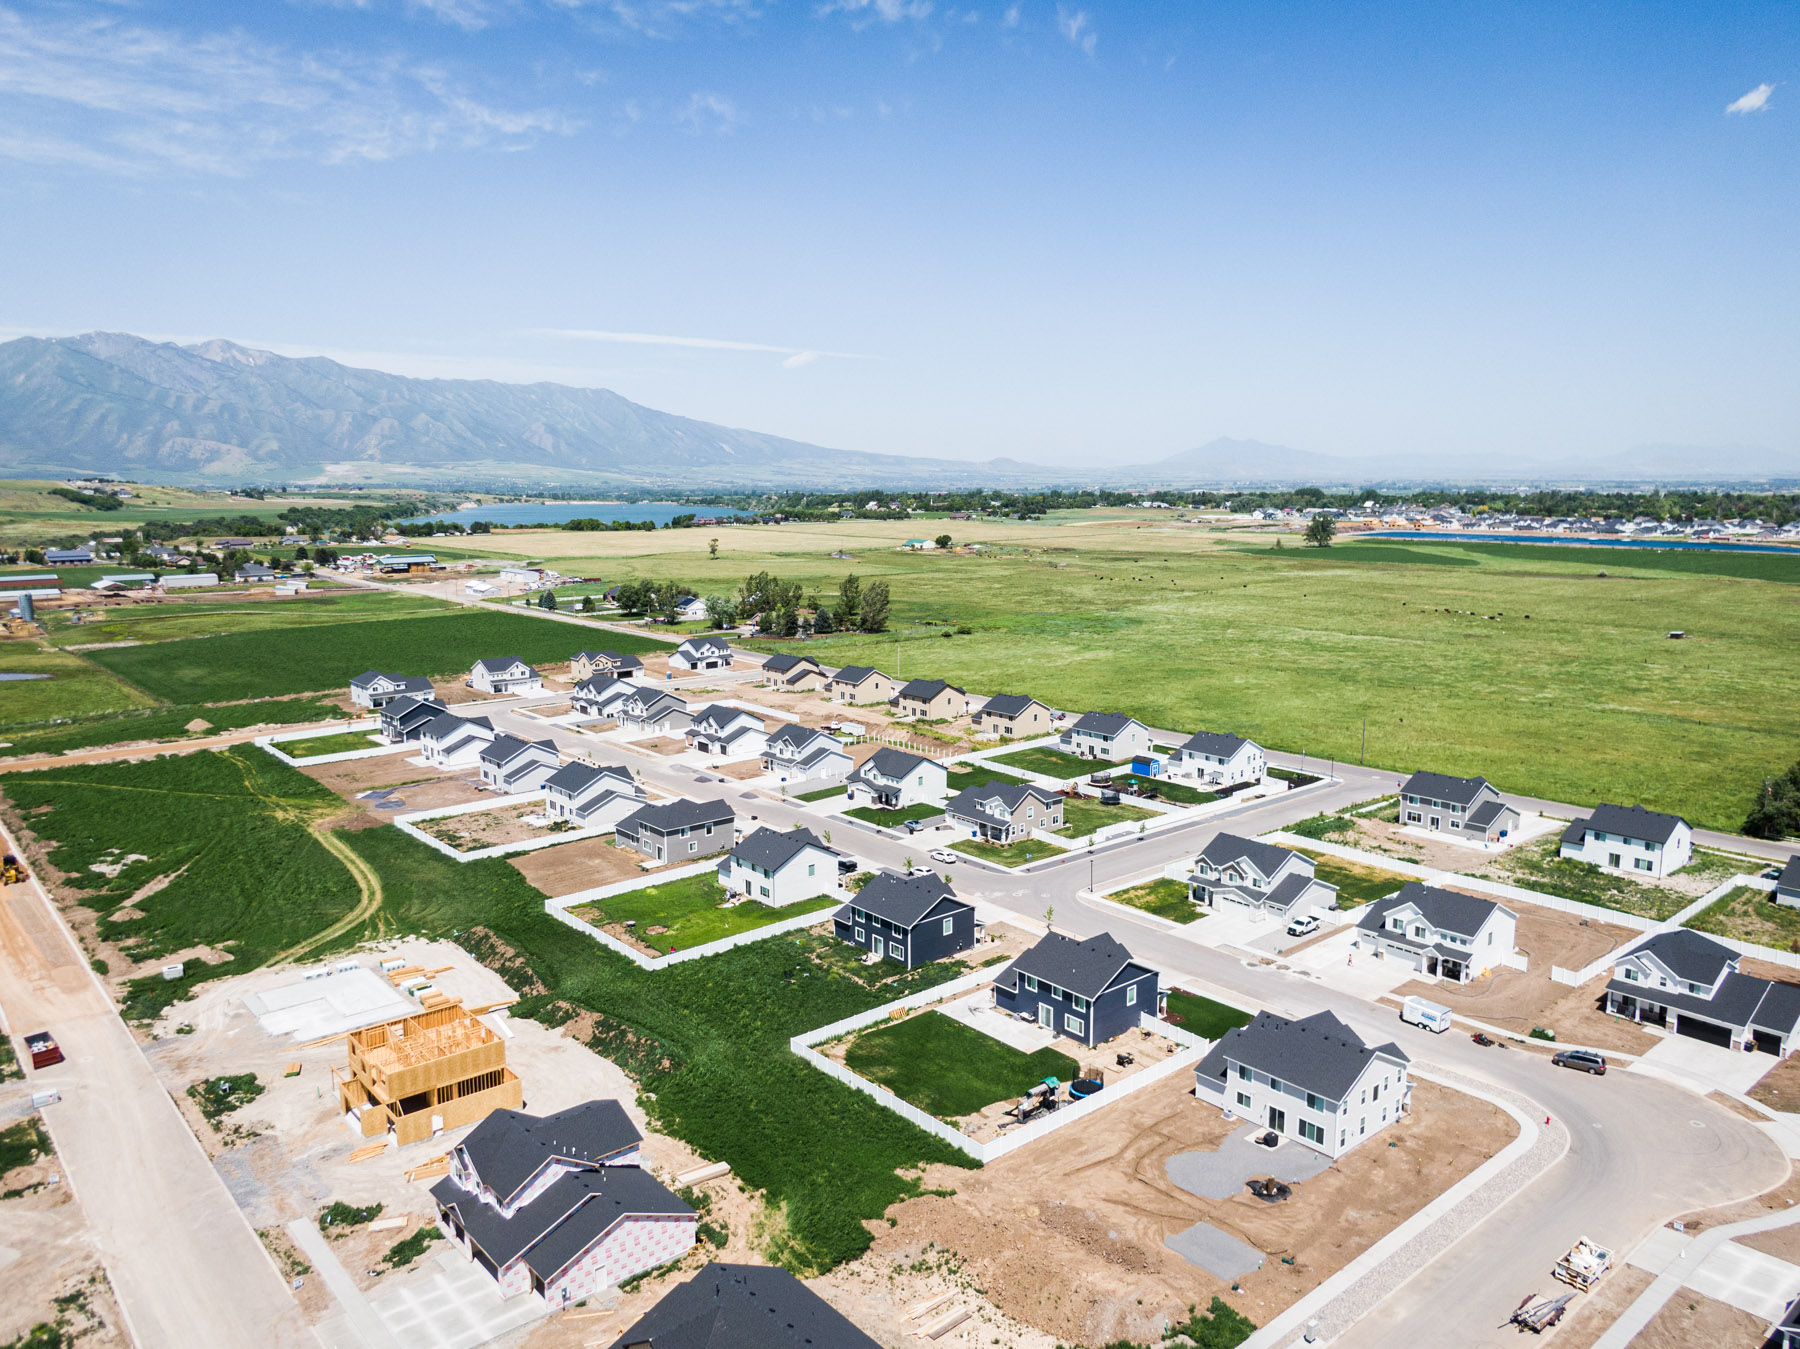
(1221, 1255)
(1221, 1174)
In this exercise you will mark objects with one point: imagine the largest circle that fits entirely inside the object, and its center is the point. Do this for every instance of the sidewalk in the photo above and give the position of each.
(1687, 1264)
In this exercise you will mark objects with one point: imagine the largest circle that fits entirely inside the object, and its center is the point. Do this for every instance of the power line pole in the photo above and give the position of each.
(1364, 757)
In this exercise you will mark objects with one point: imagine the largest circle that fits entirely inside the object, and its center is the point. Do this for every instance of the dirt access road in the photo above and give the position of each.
(187, 1269)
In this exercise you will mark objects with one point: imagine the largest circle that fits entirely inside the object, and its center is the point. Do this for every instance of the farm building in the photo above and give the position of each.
(1443, 934)
(504, 674)
(1088, 990)
(743, 1307)
(702, 653)
(779, 867)
(404, 564)
(891, 779)
(679, 830)
(1630, 839)
(587, 665)
(253, 573)
(911, 919)
(198, 580)
(435, 1070)
(68, 557)
(372, 688)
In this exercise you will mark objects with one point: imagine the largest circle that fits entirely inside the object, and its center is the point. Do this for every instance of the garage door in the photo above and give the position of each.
(1768, 1042)
(1697, 1029)
(1413, 960)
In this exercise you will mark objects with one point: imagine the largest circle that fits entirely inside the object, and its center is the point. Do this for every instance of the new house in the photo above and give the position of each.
(1442, 934)
(1013, 716)
(728, 732)
(591, 796)
(1630, 839)
(1314, 1079)
(405, 717)
(892, 779)
(859, 684)
(798, 674)
(911, 919)
(557, 1205)
(742, 1307)
(1691, 985)
(371, 688)
(930, 699)
(600, 696)
(679, 830)
(1234, 872)
(1465, 807)
(1787, 886)
(450, 741)
(798, 753)
(586, 665)
(510, 764)
(505, 674)
(1218, 759)
(651, 711)
(1107, 735)
(1004, 813)
(702, 653)
(779, 867)
(1088, 990)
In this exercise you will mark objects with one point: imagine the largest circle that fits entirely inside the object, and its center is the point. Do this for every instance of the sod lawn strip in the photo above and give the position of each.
(821, 794)
(1052, 763)
(1179, 793)
(960, 776)
(345, 742)
(1356, 883)
(1751, 915)
(1082, 816)
(1202, 1016)
(949, 1069)
(688, 912)
(1163, 897)
(893, 819)
(1012, 855)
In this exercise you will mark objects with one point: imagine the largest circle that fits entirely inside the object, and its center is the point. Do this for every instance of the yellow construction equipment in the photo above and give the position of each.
(12, 870)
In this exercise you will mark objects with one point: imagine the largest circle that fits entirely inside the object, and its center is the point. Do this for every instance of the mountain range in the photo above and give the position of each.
(216, 413)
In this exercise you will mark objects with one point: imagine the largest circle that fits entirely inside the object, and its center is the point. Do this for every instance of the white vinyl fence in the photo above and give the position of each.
(273, 744)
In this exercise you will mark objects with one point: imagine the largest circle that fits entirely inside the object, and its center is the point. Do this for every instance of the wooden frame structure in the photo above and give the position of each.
(437, 1069)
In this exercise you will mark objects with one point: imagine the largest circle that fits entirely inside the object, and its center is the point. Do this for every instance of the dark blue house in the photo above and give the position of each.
(1087, 990)
(912, 919)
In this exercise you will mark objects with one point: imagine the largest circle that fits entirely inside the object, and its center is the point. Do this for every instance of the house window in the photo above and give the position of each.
(1131, 996)
(1642, 863)
(1078, 1002)
(1244, 1099)
(896, 950)
(811, 867)
(949, 923)
(1631, 974)
(1274, 1084)
(1073, 1024)
(860, 935)
(1244, 1073)
(1031, 983)
(1315, 1102)
(1312, 1133)
(693, 847)
(1375, 1092)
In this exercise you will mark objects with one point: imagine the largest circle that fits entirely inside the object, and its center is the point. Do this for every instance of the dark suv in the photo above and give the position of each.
(1582, 1060)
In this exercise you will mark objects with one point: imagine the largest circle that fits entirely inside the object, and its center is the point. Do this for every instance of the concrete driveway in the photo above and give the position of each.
(1710, 1067)
(453, 1304)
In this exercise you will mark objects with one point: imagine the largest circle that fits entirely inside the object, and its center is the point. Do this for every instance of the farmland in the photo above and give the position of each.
(166, 724)
(1584, 700)
(949, 1069)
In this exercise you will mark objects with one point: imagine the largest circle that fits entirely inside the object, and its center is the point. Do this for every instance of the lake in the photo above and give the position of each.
(561, 512)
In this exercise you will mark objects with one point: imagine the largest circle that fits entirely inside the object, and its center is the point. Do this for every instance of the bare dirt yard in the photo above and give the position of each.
(411, 788)
(491, 828)
(1094, 1203)
(49, 1265)
(1592, 1314)
(581, 865)
(1690, 1318)
(662, 744)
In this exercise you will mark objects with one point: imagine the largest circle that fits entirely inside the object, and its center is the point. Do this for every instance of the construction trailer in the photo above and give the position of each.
(435, 1070)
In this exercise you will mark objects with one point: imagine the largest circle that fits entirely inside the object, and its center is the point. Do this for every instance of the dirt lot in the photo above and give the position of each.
(418, 788)
(48, 1262)
(1094, 1203)
(453, 691)
(1784, 1243)
(491, 828)
(580, 865)
(661, 744)
(1592, 1314)
(1689, 1318)
(1780, 1087)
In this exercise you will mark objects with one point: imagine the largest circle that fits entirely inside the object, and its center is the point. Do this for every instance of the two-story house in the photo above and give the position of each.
(591, 796)
(1314, 1079)
(892, 779)
(1013, 716)
(742, 1307)
(911, 919)
(599, 698)
(1233, 871)
(1004, 813)
(372, 688)
(779, 867)
(796, 674)
(679, 830)
(652, 711)
(1107, 735)
(1442, 934)
(1691, 985)
(1787, 885)
(505, 674)
(1630, 839)
(726, 732)
(510, 764)
(586, 665)
(930, 700)
(1217, 759)
(702, 653)
(859, 684)
(450, 741)
(1468, 808)
(404, 718)
(797, 753)
(558, 1205)
(1089, 990)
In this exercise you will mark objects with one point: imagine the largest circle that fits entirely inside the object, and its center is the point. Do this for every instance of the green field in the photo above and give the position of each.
(894, 819)
(164, 724)
(689, 911)
(345, 742)
(1083, 815)
(1536, 866)
(1202, 1016)
(949, 1069)
(1012, 855)
(819, 795)
(1356, 883)
(1163, 897)
(217, 616)
(1051, 763)
(75, 687)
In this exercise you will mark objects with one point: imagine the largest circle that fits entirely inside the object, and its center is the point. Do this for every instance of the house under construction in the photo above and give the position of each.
(438, 1069)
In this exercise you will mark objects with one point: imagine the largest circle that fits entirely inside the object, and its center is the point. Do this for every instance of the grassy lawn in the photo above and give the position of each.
(1202, 1016)
(960, 776)
(163, 724)
(1050, 762)
(1178, 792)
(342, 743)
(949, 1069)
(1749, 914)
(893, 819)
(1357, 884)
(1535, 866)
(1012, 855)
(1163, 897)
(688, 911)
(1082, 816)
(819, 795)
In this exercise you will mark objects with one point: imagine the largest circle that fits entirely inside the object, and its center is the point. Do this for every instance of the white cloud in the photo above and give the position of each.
(887, 11)
(709, 112)
(796, 356)
(1077, 27)
(1757, 100)
(1011, 18)
(104, 93)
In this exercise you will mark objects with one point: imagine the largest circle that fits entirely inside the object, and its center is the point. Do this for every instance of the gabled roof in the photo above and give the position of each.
(1633, 822)
(617, 659)
(782, 663)
(723, 715)
(854, 674)
(904, 900)
(696, 646)
(1265, 857)
(772, 849)
(891, 763)
(1487, 812)
(505, 748)
(743, 1307)
(1012, 795)
(1688, 955)
(794, 735)
(563, 1221)
(1103, 723)
(411, 706)
(1442, 787)
(405, 683)
(509, 1147)
(1742, 1001)
(1087, 968)
(1318, 1053)
(1007, 704)
(446, 725)
(924, 690)
(500, 664)
(1214, 742)
(1790, 875)
(1445, 910)
(575, 778)
(667, 816)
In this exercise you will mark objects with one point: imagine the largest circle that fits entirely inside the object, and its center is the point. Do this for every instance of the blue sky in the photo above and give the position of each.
(1079, 232)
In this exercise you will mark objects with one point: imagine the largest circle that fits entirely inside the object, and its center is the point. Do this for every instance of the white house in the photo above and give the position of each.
(727, 732)
(512, 765)
(780, 867)
(591, 796)
(1314, 1080)
(797, 753)
(1691, 985)
(1220, 760)
(450, 741)
(372, 688)
(1442, 934)
(702, 653)
(650, 711)
(1461, 807)
(600, 696)
(505, 674)
(1233, 872)
(892, 779)
(1107, 735)
(1630, 839)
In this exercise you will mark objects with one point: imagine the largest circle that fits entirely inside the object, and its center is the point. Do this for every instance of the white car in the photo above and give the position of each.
(945, 856)
(1304, 927)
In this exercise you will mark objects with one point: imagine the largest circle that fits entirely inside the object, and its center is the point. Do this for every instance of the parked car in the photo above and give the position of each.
(945, 856)
(915, 826)
(846, 865)
(1582, 1060)
(1304, 926)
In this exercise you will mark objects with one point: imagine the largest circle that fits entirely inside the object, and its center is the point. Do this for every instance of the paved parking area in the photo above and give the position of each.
(1711, 1065)
(452, 1304)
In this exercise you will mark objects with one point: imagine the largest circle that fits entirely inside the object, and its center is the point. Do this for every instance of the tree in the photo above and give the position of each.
(587, 604)
(720, 611)
(547, 601)
(849, 603)
(1320, 530)
(1776, 813)
(942, 540)
(635, 597)
(712, 547)
(872, 616)
(822, 624)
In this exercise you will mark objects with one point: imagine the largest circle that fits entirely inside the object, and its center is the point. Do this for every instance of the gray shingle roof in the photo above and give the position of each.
(575, 778)
(667, 816)
(1743, 1001)
(854, 674)
(1688, 955)
(509, 1147)
(1084, 967)
(504, 748)
(1790, 875)
(617, 659)
(1007, 704)
(1265, 857)
(1487, 812)
(743, 1307)
(1445, 910)
(772, 849)
(1633, 822)
(891, 762)
(794, 735)
(785, 661)
(1103, 723)
(564, 1220)
(924, 689)
(969, 800)
(1215, 742)
(498, 664)
(1443, 787)
(903, 900)
(1318, 1053)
